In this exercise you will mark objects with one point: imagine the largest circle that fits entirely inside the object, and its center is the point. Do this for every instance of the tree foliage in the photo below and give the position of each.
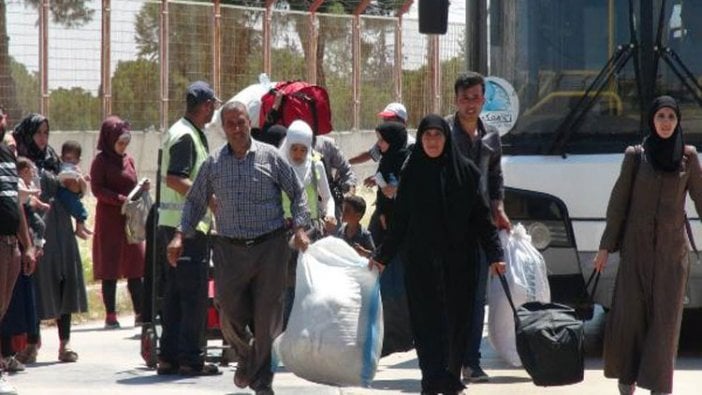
(69, 13)
(74, 109)
(135, 93)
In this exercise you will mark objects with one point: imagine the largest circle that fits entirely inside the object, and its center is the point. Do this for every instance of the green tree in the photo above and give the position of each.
(26, 88)
(135, 93)
(70, 13)
(74, 109)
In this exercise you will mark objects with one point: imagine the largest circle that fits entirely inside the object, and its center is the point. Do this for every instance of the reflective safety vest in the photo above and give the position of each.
(310, 190)
(171, 205)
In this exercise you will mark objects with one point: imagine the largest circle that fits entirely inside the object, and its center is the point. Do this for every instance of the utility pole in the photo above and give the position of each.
(476, 36)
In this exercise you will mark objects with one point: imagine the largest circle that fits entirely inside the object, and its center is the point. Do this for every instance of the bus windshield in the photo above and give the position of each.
(552, 51)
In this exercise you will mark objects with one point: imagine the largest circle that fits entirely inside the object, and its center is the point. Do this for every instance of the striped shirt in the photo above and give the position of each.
(9, 209)
(248, 193)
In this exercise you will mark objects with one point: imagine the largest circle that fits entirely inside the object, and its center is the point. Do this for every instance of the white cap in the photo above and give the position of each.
(394, 110)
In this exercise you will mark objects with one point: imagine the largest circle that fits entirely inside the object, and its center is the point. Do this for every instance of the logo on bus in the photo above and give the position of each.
(501, 108)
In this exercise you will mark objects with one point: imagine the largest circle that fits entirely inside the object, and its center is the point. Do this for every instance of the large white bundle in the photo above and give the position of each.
(335, 332)
(249, 96)
(528, 282)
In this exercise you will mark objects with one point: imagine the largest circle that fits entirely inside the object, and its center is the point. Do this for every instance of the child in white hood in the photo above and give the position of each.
(296, 148)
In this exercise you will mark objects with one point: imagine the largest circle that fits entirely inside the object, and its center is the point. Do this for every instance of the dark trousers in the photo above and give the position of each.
(477, 321)
(109, 294)
(250, 284)
(437, 292)
(184, 306)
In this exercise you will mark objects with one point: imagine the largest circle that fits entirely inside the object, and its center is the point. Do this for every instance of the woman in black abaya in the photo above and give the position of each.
(439, 219)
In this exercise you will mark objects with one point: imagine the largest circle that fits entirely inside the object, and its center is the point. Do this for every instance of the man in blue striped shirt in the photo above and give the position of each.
(250, 250)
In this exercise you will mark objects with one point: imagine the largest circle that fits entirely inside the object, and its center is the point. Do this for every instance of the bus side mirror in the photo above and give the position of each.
(433, 16)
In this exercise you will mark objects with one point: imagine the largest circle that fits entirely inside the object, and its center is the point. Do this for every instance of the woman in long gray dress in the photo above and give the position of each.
(646, 224)
(59, 276)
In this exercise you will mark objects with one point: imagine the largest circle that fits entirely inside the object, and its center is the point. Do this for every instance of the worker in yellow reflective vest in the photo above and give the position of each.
(185, 295)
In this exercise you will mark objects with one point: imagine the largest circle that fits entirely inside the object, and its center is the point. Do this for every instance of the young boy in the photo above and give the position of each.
(28, 194)
(358, 237)
(70, 159)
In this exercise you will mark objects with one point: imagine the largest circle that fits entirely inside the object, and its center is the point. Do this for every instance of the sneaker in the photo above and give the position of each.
(6, 388)
(111, 321)
(12, 365)
(475, 375)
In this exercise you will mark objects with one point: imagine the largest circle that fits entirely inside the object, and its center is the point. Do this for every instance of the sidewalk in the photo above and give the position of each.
(110, 364)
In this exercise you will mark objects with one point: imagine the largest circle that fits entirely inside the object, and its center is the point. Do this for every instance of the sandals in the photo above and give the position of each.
(67, 355)
(28, 355)
(241, 377)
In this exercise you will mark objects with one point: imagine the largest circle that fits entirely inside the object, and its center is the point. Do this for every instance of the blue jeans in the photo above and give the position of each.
(71, 201)
(475, 331)
(184, 305)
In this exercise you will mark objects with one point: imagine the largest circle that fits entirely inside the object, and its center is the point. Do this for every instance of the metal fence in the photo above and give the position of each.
(134, 58)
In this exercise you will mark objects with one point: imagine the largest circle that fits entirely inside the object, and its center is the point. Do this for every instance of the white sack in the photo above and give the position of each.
(335, 332)
(249, 96)
(528, 282)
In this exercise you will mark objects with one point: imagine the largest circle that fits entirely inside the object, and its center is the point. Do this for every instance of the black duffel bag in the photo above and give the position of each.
(549, 341)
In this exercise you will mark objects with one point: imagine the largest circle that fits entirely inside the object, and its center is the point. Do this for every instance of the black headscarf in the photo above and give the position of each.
(395, 134)
(451, 167)
(664, 154)
(47, 158)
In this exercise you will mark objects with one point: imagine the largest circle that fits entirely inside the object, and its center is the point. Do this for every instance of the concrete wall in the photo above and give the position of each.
(144, 148)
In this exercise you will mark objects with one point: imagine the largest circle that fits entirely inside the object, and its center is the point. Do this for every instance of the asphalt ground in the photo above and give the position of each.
(109, 363)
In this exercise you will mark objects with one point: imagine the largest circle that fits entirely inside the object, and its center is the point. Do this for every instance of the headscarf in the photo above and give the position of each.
(450, 166)
(395, 134)
(113, 128)
(46, 158)
(299, 132)
(664, 154)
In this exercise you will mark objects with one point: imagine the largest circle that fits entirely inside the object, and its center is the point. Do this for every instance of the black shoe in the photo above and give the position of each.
(206, 370)
(166, 368)
(475, 374)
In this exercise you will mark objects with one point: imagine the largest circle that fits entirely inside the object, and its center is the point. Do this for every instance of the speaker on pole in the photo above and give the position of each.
(433, 16)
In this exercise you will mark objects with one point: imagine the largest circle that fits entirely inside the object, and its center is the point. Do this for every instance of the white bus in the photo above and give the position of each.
(585, 72)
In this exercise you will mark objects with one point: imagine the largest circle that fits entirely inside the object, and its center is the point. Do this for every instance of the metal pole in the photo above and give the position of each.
(44, 57)
(267, 20)
(435, 80)
(397, 70)
(646, 53)
(163, 58)
(106, 67)
(313, 35)
(356, 70)
(476, 36)
(217, 47)
(356, 63)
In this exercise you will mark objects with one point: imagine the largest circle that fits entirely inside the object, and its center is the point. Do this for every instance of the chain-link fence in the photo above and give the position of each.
(105, 57)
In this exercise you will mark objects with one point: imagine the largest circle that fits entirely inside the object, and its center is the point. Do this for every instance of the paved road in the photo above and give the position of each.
(110, 364)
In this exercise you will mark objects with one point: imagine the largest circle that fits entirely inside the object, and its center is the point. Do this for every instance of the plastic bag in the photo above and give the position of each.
(528, 282)
(136, 210)
(335, 332)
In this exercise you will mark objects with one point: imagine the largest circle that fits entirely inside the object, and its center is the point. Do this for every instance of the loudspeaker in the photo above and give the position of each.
(433, 16)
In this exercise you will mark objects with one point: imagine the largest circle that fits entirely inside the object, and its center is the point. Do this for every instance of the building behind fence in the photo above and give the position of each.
(134, 58)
